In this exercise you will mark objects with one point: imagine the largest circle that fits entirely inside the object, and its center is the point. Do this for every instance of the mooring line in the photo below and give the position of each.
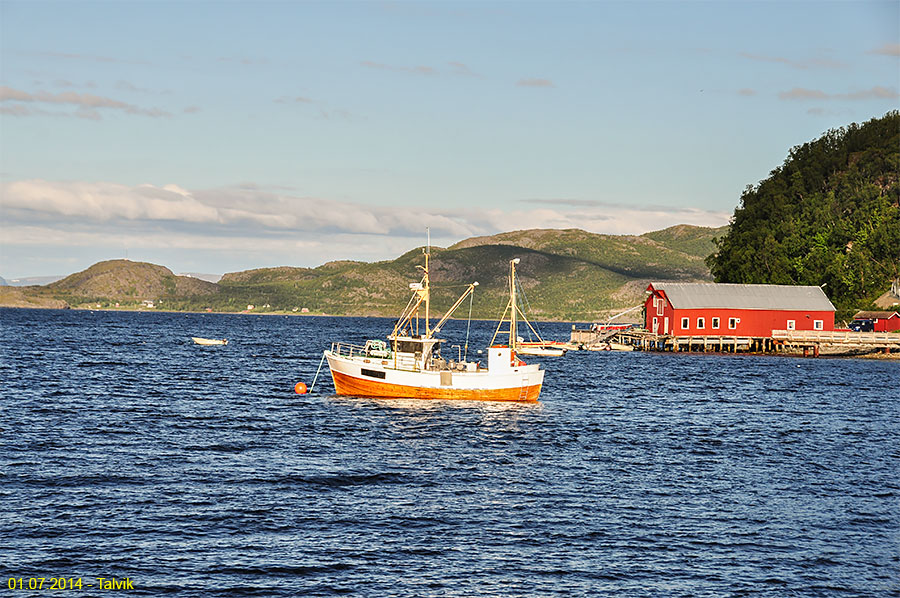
(321, 361)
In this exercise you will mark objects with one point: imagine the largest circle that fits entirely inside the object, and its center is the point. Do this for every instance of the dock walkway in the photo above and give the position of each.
(782, 342)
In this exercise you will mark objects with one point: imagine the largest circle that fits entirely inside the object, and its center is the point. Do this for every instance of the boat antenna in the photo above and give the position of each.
(513, 339)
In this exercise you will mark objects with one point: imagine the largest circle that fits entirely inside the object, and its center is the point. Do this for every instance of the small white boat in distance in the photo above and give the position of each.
(610, 346)
(209, 341)
(541, 349)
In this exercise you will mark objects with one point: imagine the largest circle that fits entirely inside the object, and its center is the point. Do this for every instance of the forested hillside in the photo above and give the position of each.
(830, 215)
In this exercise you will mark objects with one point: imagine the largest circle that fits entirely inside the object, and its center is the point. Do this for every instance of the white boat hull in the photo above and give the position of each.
(610, 347)
(365, 377)
(542, 351)
(209, 341)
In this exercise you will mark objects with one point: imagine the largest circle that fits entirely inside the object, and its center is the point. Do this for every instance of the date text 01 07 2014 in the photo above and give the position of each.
(67, 583)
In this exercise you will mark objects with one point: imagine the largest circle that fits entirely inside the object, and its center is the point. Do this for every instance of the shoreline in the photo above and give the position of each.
(256, 313)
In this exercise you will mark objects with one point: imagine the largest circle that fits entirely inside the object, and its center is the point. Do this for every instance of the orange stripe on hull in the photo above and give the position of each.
(348, 385)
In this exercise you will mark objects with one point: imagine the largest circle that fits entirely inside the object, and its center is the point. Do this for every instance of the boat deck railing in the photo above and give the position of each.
(350, 350)
(397, 361)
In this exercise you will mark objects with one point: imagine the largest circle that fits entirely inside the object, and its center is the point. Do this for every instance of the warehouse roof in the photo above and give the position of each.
(684, 295)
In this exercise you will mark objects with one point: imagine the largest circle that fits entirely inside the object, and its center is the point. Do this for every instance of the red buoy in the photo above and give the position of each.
(300, 388)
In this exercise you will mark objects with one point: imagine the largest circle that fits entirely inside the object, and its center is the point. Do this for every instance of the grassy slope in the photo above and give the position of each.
(566, 275)
(570, 274)
(677, 252)
(125, 282)
(691, 240)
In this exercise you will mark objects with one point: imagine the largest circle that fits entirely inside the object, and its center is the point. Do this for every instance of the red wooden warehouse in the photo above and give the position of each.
(750, 310)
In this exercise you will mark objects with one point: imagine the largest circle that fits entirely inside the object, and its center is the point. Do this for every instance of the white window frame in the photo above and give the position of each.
(715, 323)
(660, 307)
(685, 323)
(701, 323)
(818, 325)
(791, 325)
(733, 323)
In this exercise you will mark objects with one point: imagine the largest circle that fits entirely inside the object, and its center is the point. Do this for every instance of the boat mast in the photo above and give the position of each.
(512, 301)
(426, 281)
(511, 308)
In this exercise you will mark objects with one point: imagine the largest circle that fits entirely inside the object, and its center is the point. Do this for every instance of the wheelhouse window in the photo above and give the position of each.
(733, 322)
(792, 325)
(701, 323)
(715, 323)
(818, 324)
(685, 323)
(409, 347)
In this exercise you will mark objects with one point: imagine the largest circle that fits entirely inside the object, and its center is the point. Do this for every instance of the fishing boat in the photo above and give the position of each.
(209, 341)
(409, 363)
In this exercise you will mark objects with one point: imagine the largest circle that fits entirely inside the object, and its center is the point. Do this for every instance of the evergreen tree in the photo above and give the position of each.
(830, 215)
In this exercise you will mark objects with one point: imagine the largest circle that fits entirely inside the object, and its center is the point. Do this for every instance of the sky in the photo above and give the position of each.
(213, 137)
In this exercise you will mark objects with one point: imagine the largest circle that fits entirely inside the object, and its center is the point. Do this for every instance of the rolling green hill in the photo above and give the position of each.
(566, 275)
(676, 252)
(126, 279)
(124, 282)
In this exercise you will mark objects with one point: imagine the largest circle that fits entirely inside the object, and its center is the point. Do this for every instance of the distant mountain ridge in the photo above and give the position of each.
(124, 279)
(566, 274)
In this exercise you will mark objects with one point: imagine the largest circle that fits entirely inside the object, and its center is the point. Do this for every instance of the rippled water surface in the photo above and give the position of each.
(128, 451)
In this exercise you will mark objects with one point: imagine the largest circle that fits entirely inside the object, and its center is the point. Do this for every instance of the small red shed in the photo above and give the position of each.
(754, 310)
(882, 321)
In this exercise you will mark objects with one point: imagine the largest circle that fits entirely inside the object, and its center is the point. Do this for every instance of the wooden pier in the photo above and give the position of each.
(836, 341)
(782, 342)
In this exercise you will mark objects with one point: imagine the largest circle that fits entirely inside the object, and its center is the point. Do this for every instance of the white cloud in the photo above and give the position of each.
(87, 103)
(100, 202)
(45, 236)
(261, 228)
(253, 209)
(875, 93)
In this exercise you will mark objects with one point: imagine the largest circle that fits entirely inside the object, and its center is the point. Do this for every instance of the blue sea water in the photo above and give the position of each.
(126, 451)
